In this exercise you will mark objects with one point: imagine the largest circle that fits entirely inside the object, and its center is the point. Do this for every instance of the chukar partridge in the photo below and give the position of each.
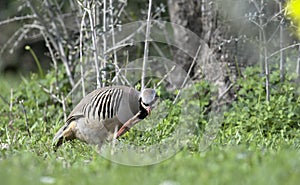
(105, 113)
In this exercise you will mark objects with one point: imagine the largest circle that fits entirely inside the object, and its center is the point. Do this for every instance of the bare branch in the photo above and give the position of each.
(50, 93)
(48, 45)
(104, 40)
(225, 92)
(65, 62)
(80, 53)
(63, 102)
(113, 36)
(165, 76)
(15, 38)
(298, 65)
(281, 43)
(188, 73)
(146, 47)
(122, 43)
(283, 49)
(91, 12)
(21, 18)
(11, 103)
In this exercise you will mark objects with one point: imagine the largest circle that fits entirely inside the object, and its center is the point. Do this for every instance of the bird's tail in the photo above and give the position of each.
(65, 133)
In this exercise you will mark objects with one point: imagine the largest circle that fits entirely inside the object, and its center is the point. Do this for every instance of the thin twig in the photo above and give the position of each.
(113, 37)
(188, 73)
(128, 38)
(103, 66)
(11, 103)
(58, 16)
(281, 43)
(165, 76)
(146, 47)
(159, 51)
(21, 18)
(75, 87)
(65, 62)
(225, 92)
(283, 49)
(120, 11)
(15, 38)
(94, 42)
(118, 46)
(265, 51)
(123, 76)
(63, 102)
(50, 93)
(298, 65)
(263, 47)
(80, 53)
(25, 114)
(48, 45)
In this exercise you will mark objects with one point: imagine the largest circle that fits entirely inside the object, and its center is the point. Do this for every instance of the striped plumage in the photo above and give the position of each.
(103, 105)
(101, 113)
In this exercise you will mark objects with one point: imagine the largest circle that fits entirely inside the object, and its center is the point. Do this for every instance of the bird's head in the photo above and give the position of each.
(147, 100)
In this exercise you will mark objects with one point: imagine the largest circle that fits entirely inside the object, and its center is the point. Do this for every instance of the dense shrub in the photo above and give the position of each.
(253, 120)
(249, 120)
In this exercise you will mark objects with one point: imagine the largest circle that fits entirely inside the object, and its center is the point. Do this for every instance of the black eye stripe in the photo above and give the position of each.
(145, 104)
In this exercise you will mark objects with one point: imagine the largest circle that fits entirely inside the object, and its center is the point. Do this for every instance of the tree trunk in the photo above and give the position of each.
(201, 17)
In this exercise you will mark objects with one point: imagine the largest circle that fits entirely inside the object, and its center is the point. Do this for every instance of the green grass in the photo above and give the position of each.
(219, 165)
(7, 82)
